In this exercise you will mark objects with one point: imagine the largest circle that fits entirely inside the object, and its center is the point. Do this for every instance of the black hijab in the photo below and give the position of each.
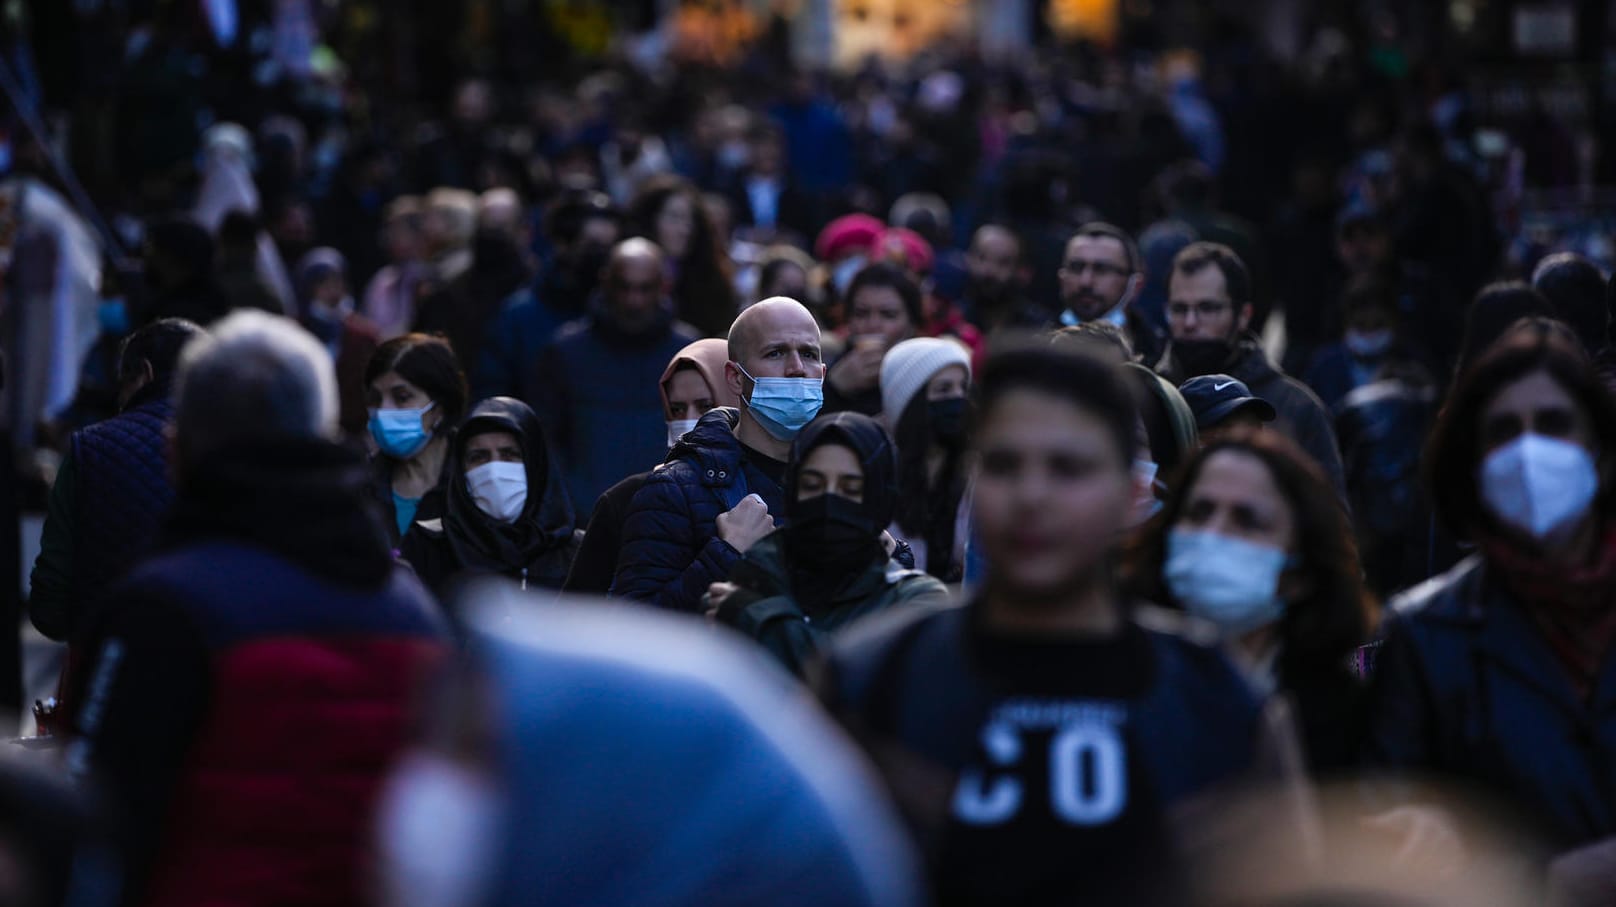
(805, 552)
(546, 521)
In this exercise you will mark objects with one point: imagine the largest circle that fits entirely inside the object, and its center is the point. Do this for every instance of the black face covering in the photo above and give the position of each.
(831, 540)
(830, 532)
(947, 417)
(1203, 357)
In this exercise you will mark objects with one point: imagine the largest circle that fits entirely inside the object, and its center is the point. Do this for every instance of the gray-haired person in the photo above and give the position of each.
(252, 680)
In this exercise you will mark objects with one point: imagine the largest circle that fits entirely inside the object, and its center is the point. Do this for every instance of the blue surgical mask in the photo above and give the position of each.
(113, 314)
(784, 405)
(1228, 581)
(400, 433)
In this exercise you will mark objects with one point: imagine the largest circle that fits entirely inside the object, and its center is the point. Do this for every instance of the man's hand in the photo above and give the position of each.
(746, 525)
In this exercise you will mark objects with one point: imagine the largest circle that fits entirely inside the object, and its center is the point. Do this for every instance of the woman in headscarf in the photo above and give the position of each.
(832, 563)
(507, 511)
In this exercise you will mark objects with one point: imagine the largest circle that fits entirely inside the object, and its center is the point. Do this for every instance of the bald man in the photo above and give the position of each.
(719, 492)
(597, 386)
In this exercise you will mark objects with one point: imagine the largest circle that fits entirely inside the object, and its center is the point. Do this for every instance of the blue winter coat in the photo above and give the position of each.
(1467, 687)
(597, 391)
(671, 550)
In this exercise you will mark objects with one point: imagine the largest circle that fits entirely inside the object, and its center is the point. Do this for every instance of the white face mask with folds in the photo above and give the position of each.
(1541, 486)
(499, 489)
(677, 429)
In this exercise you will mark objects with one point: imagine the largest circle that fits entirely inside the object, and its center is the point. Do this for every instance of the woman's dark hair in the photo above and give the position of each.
(429, 363)
(888, 276)
(1454, 452)
(704, 291)
(1318, 633)
(928, 511)
(1080, 379)
(1496, 307)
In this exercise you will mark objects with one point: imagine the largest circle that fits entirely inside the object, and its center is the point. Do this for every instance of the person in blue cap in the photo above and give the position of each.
(1222, 403)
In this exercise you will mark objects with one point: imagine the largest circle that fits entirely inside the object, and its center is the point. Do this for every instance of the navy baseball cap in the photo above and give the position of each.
(1214, 398)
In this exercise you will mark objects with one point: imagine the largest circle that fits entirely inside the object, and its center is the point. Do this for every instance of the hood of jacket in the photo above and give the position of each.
(876, 453)
(708, 358)
(307, 500)
(547, 519)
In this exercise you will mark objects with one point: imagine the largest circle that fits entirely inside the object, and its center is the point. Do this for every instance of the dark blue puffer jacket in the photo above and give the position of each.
(123, 491)
(671, 550)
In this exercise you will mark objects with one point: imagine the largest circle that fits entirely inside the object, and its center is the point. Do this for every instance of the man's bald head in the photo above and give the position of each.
(635, 251)
(635, 284)
(761, 321)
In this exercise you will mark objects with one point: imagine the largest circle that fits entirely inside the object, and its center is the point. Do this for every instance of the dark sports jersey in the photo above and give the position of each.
(1058, 759)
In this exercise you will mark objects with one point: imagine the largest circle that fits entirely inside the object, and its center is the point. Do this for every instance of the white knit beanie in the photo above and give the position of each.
(909, 366)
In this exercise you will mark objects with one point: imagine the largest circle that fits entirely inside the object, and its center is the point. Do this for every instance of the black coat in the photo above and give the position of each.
(1302, 417)
(596, 562)
(1467, 687)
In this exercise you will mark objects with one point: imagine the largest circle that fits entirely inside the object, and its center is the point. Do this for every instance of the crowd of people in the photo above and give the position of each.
(684, 486)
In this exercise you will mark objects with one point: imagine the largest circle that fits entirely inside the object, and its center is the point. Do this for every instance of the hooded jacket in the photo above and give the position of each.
(254, 680)
(671, 551)
(1302, 417)
(536, 548)
(596, 562)
(792, 608)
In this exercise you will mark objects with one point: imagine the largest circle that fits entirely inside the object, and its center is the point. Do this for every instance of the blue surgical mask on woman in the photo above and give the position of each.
(783, 406)
(1231, 582)
(400, 433)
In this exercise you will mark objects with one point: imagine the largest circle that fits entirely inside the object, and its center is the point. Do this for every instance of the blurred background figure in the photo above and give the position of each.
(544, 776)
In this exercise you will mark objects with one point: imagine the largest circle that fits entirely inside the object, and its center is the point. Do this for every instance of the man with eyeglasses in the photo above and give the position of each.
(1099, 277)
(1209, 313)
(597, 386)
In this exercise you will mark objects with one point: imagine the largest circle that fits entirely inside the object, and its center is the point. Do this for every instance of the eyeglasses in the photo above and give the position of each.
(1100, 268)
(1206, 308)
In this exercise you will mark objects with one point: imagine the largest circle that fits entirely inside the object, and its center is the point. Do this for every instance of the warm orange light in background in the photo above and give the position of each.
(1094, 20)
(713, 31)
(895, 29)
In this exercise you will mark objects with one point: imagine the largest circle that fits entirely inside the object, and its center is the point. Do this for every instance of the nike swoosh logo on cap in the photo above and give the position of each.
(1218, 387)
